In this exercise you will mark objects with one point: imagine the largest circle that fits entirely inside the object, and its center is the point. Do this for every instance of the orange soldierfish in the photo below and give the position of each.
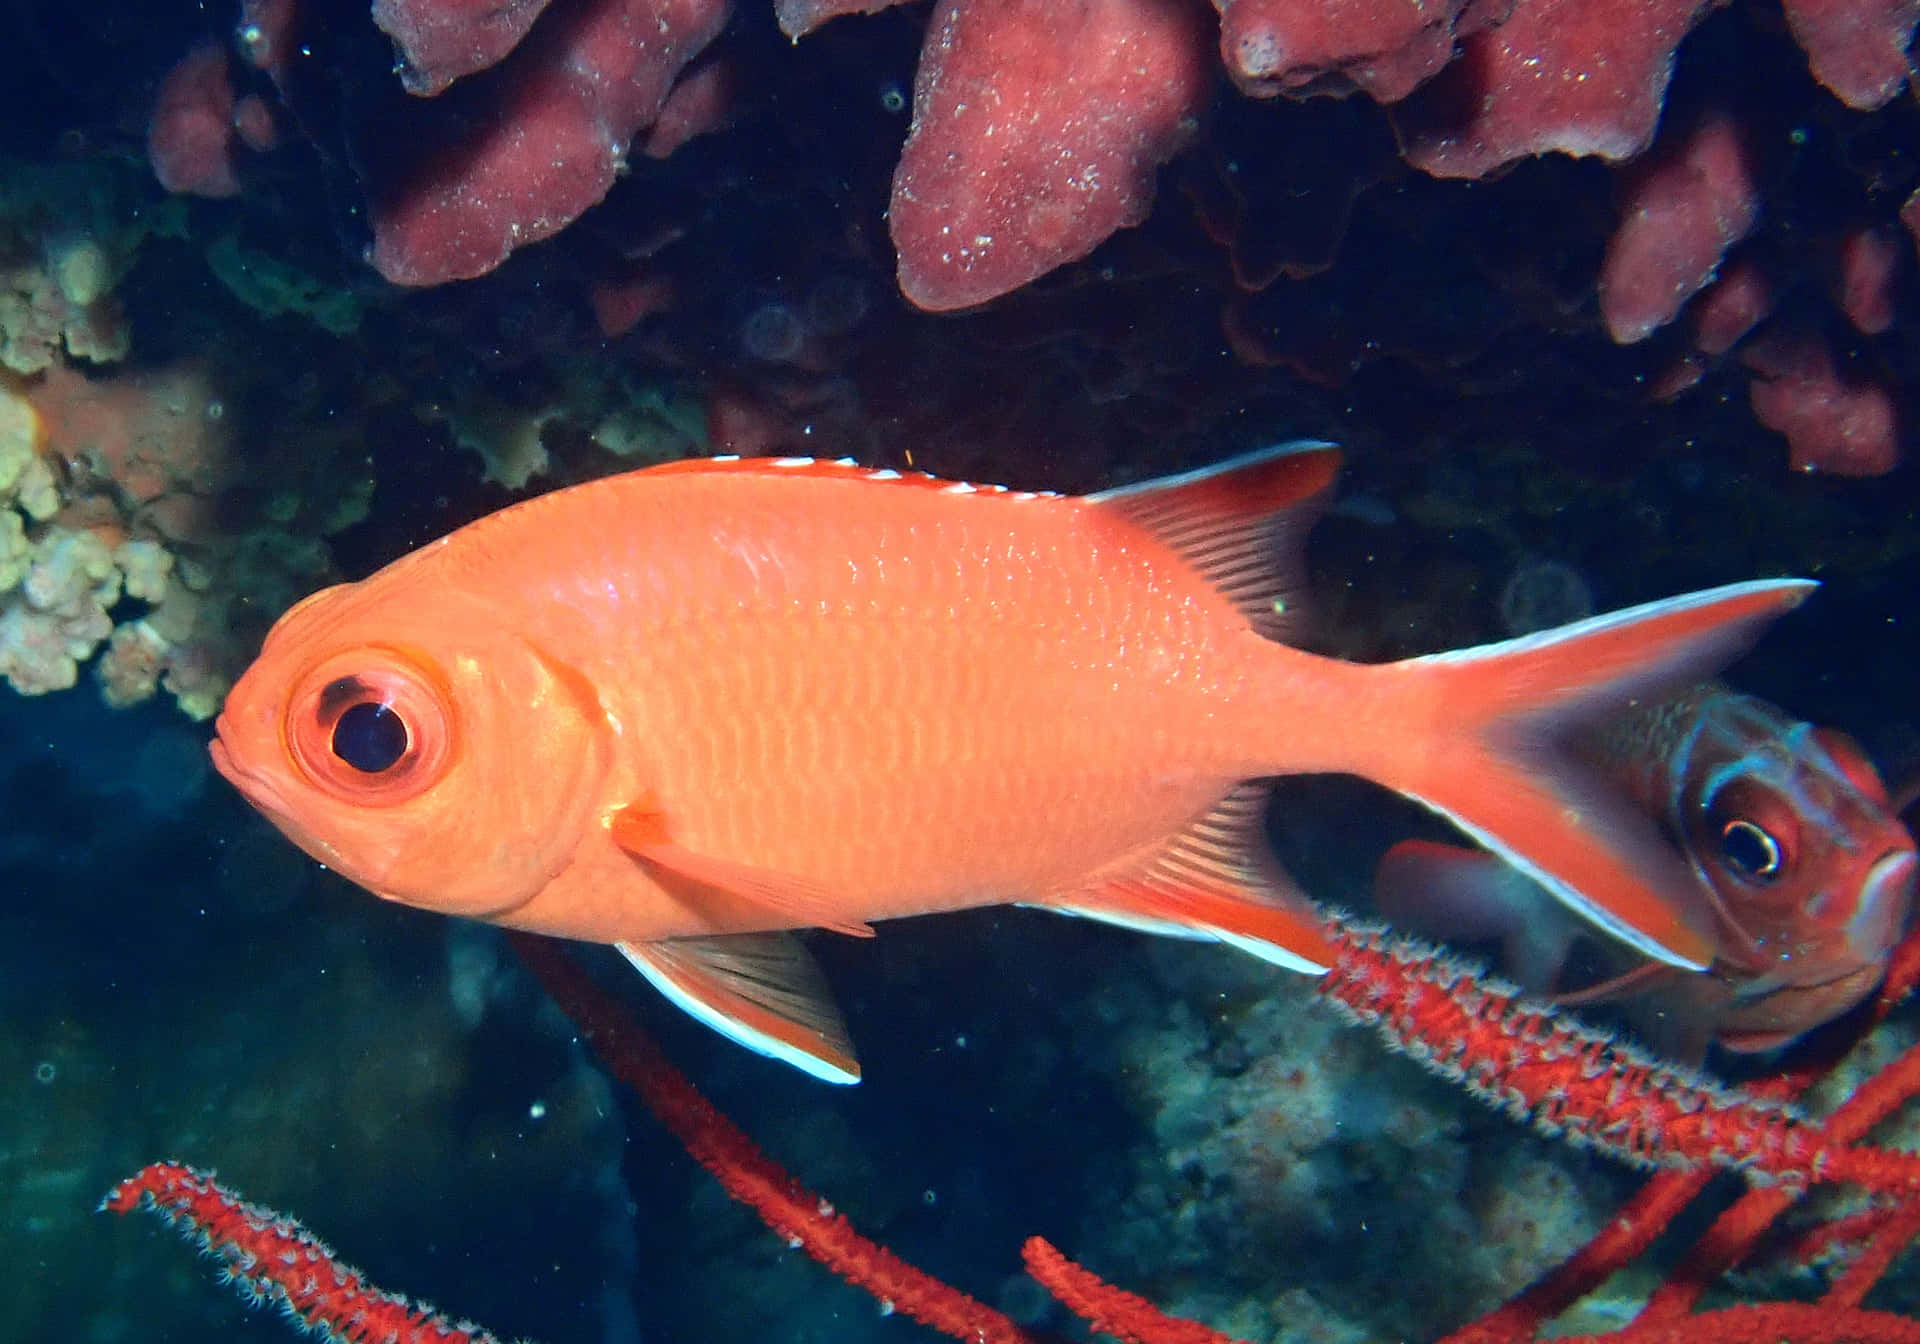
(683, 709)
(1791, 838)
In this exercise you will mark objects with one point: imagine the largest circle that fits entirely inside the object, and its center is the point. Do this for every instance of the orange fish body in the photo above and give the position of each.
(724, 698)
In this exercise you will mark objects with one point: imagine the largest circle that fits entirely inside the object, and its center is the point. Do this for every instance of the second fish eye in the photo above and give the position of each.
(1750, 849)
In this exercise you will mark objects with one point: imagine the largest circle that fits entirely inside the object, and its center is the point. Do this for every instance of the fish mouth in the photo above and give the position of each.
(265, 793)
(253, 785)
(1886, 899)
(222, 758)
(223, 755)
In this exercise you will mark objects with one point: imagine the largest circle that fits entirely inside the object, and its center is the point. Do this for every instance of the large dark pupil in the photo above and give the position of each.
(369, 737)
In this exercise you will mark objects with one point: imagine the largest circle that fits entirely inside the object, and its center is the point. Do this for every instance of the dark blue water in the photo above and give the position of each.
(227, 379)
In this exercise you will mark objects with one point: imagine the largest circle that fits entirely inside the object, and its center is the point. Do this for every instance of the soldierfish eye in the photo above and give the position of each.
(1750, 829)
(1750, 850)
(370, 737)
(372, 727)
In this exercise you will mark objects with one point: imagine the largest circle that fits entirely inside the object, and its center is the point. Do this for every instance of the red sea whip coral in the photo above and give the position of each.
(274, 1260)
(1436, 1009)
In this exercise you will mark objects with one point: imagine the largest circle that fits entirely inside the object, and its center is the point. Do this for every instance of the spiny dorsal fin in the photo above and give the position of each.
(1243, 524)
(1213, 880)
(762, 990)
(835, 469)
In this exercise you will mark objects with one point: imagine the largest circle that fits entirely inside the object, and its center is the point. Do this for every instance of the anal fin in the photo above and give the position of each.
(762, 990)
(1213, 880)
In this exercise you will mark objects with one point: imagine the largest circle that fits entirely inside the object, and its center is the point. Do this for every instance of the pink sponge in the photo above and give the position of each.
(1839, 424)
(1037, 127)
(1381, 47)
(1682, 207)
(1578, 76)
(539, 142)
(800, 17)
(1857, 48)
(441, 40)
(190, 137)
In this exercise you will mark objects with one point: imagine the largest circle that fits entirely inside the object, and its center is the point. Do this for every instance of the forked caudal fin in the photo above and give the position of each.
(1493, 763)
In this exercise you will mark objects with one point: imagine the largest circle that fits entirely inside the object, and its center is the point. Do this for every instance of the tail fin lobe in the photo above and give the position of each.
(1500, 774)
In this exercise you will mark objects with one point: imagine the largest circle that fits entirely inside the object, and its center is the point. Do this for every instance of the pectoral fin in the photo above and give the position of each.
(760, 989)
(701, 879)
(1470, 895)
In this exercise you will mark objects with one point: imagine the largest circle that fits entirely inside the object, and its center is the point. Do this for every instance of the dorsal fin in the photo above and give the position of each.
(836, 469)
(1853, 762)
(1243, 524)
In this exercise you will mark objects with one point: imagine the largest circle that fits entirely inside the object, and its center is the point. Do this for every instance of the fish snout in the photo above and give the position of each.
(221, 749)
(229, 750)
(239, 763)
(1886, 898)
